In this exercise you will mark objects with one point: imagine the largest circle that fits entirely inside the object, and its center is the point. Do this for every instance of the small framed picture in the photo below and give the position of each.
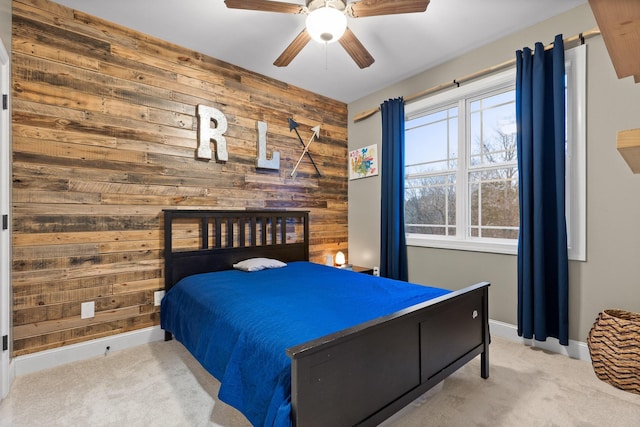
(363, 162)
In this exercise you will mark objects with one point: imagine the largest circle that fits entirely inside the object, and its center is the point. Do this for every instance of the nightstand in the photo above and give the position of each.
(364, 270)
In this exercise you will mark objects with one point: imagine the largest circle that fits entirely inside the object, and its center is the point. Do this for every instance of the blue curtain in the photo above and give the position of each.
(543, 277)
(393, 249)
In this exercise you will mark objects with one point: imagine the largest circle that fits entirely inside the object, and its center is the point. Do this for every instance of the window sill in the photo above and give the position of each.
(496, 246)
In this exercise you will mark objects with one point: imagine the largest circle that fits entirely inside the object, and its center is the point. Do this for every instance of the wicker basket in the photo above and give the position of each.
(614, 345)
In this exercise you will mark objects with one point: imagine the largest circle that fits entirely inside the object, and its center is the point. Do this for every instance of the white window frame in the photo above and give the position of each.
(575, 66)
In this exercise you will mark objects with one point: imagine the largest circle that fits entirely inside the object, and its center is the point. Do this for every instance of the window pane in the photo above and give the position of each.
(493, 201)
(453, 141)
(430, 205)
(431, 147)
(493, 101)
(493, 129)
(431, 142)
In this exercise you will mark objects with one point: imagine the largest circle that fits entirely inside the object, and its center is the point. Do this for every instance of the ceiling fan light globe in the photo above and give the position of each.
(326, 24)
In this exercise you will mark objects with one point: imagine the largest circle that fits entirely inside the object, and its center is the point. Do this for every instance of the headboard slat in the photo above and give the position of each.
(218, 233)
(274, 229)
(263, 231)
(241, 227)
(205, 236)
(252, 231)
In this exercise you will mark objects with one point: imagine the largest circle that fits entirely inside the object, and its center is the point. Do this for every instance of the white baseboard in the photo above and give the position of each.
(575, 349)
(85, 350)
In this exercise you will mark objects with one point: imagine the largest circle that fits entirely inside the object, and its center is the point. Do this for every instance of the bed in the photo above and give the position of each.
(278, 363)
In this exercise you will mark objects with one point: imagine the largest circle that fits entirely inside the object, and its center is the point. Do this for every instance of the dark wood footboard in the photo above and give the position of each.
(365, 374)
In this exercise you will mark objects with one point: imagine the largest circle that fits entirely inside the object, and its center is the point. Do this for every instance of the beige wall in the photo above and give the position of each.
(611, 275)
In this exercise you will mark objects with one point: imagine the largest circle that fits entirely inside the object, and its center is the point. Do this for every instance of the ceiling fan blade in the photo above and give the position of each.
(293, 49)
(265, 5)
(364, 8)
(355, 49)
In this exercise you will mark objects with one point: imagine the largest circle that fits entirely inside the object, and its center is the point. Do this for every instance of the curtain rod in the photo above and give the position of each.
(456, 82)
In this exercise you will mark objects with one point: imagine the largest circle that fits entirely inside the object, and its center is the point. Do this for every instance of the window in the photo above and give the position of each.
(461, 171)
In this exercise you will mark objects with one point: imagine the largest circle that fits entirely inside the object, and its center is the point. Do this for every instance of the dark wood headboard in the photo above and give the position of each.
(200, 241)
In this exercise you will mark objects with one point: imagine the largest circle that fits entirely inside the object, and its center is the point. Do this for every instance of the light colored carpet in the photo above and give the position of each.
(160, 384)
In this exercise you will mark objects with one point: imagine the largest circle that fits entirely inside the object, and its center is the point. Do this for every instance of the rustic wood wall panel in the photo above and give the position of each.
(104, 138)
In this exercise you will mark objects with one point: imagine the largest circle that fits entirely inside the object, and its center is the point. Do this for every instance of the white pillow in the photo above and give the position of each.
(257, 264)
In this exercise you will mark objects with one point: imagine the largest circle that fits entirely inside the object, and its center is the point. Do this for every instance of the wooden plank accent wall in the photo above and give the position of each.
(104, 138)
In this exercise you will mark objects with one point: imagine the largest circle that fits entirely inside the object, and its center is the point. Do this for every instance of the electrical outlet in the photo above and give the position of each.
(376, 271)
(87, 310)
(157, 297)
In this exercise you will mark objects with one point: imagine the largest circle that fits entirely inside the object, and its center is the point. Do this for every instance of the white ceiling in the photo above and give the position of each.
(402, 45)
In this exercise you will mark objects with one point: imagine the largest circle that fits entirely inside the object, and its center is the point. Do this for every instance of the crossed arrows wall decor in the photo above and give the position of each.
(316, 131)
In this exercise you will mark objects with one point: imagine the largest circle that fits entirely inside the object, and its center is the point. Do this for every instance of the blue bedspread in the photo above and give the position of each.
(238, 324)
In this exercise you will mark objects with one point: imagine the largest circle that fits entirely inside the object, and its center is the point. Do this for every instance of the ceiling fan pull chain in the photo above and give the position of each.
(326, 57)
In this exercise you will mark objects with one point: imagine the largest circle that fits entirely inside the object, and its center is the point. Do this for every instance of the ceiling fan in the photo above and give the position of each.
(327, 22)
